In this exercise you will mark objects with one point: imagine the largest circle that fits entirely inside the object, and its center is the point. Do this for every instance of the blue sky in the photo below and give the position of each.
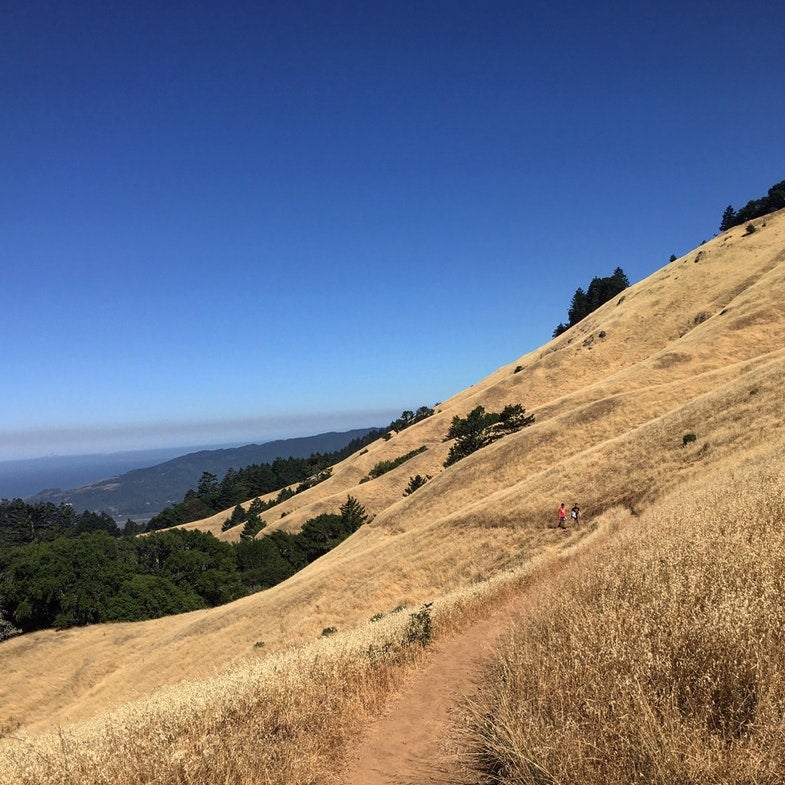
(235, 221)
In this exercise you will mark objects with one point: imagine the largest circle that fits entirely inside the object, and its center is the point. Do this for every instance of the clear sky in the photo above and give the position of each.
(240, 221)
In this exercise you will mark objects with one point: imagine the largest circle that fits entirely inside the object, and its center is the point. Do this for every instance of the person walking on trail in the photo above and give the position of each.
(562, 516)
(575, 513)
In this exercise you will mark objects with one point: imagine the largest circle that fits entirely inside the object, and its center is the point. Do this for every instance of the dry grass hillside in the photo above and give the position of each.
(698, 347)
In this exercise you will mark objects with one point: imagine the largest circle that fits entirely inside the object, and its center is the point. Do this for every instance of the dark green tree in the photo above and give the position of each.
(755, 208)
(290, 547)
(150, 597)
(353, 514)
(320, 535)
(579, 306)
(512, 418)
(253, 525)
(207, 490)
(470, 433)
(239, 515)
(415, 482)
(62, 583)
(90, 521)
(409, 417)
(261, 563)
(728, 216)
(22, 523)
(132, 528)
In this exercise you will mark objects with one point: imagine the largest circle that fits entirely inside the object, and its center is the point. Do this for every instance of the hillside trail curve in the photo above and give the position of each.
(408, 743)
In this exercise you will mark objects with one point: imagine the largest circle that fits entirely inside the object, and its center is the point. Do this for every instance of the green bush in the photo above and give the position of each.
(419, 627)
(687, 438)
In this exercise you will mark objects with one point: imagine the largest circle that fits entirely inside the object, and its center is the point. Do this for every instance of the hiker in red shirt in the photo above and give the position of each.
(562, 516)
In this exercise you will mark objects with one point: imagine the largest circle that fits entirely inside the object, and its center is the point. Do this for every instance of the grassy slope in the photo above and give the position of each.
(657, 656)
(696, 347)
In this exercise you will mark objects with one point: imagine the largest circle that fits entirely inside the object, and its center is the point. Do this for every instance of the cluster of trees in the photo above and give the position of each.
(239, 485)
(22, 523)
(409, 417)
(774, 200)
(250, 517)
(61, 569)
(271, 559)
(480, 428)
(68, 579)
(599, 292)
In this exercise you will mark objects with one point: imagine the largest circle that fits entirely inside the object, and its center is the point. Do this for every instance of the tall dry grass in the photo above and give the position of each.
(287, 719)
(280, 720)
(655, 658)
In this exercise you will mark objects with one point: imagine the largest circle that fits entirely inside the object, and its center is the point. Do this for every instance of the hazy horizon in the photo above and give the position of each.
(26, 445)
(24, 477)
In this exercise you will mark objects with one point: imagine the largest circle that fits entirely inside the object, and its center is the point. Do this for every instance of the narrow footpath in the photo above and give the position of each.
(408, 744)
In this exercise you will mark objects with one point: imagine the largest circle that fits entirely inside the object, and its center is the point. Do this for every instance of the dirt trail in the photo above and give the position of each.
(406, 746)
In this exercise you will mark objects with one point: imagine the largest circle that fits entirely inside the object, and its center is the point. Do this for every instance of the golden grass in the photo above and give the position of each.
(697, 347)
(657, 657)
(285, 719)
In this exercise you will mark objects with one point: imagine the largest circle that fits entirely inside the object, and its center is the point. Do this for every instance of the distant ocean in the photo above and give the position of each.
(23, 478)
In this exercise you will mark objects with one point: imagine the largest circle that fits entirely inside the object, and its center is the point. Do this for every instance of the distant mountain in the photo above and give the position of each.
(24, 476)
(144, 492)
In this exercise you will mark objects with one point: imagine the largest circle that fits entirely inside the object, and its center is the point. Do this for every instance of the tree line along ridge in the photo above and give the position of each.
(755, 208)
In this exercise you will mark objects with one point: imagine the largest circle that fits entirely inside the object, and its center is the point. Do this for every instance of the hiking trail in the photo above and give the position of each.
(407, 744)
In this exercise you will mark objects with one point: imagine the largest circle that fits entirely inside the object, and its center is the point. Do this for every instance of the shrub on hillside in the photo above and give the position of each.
(382, 467)
(419, 628)
(416, 482)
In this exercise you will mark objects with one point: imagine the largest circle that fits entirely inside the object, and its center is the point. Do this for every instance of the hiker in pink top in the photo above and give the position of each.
(562, 516)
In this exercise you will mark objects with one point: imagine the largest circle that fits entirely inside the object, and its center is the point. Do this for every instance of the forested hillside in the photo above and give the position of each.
(61, 570)
(142, 493)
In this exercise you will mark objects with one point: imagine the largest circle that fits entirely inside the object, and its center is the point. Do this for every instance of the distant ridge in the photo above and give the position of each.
(141, 493)
(20, 477)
